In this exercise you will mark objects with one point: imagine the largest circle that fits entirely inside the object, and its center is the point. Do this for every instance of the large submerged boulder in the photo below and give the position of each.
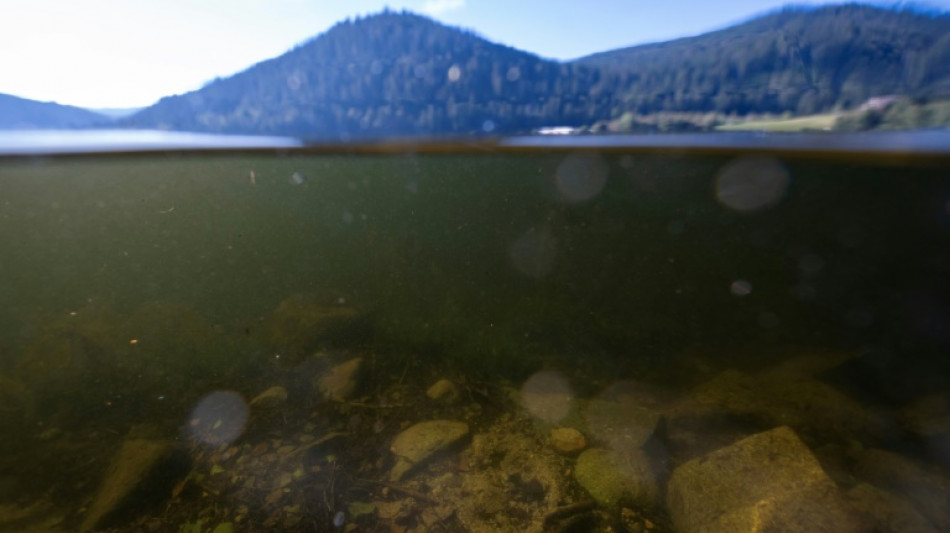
(769, 481)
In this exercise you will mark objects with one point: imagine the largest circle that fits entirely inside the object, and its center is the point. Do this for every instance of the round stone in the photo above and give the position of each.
(567, 440)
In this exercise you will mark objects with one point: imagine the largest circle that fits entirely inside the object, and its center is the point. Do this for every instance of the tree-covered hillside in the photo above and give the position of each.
(390, 74)
(798, 59)
(24, 114)
(400, 74)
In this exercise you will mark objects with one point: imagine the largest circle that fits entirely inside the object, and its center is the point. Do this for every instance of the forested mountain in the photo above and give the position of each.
(390, 74)
(400, 74)
(798, 59)
(23, 114)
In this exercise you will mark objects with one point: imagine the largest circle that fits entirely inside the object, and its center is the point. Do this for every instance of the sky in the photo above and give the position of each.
(124, 53)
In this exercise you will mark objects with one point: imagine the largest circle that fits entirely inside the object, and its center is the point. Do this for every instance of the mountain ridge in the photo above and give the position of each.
(812, 58)
(403, 74)
(390, 74)
(23, 113)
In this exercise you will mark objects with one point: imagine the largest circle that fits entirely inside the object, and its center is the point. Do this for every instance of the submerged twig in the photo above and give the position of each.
(321, 440)
(569, 510)
(407, 491)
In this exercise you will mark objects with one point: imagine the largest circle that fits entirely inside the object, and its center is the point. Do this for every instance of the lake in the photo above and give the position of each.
(570, 334)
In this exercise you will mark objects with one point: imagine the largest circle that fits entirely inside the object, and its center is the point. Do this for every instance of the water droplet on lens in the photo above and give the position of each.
(768, 319)
(294, 81)
(454, 73)
(533, 253)
(547, 396)
(580, 177)
(740, 287)
(751, 183)
(219, 418)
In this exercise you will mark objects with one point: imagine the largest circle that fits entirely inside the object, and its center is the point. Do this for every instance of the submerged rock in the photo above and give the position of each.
(135, 461)
(620, 421)
(613, 478)
(339, 383)
(924, 486)
(270, 398)
(16, 405)
(443, 391)
(782, 396)
(929, 419)
(304, 322)
(567, 441)
(885, 512)
(418, 443)
(767, 482)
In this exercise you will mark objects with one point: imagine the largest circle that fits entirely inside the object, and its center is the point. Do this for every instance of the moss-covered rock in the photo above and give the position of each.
(767, 482)
(613, 478)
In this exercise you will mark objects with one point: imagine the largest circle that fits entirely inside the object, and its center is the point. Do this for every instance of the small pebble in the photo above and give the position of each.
(443, 391)
(567, 440)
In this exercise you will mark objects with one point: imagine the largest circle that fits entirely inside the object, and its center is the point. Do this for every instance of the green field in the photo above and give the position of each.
(824, 122)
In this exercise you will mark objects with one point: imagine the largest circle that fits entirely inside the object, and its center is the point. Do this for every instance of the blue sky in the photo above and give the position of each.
(124, 53)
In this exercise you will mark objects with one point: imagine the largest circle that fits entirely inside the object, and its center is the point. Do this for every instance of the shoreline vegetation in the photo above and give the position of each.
(890, 113)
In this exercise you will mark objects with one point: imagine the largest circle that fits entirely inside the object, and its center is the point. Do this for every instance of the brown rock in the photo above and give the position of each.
(136, 459)
(767, 482)
(443, 391)
(772, 399)
(567, 441)
(419, 442)
(270, 398)
(340, 382)
(302, 322)
(886, 512)
(927, 489)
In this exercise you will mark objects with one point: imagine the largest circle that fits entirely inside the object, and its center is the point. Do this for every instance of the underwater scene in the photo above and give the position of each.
(527, 341)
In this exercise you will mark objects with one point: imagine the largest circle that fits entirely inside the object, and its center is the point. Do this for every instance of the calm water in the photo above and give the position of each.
(674, 308)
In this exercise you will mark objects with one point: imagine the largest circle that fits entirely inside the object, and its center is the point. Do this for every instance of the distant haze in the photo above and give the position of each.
(119, 54)
(116, 112)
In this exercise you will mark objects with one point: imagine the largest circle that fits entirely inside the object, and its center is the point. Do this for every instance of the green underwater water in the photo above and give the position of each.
(133, 286)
